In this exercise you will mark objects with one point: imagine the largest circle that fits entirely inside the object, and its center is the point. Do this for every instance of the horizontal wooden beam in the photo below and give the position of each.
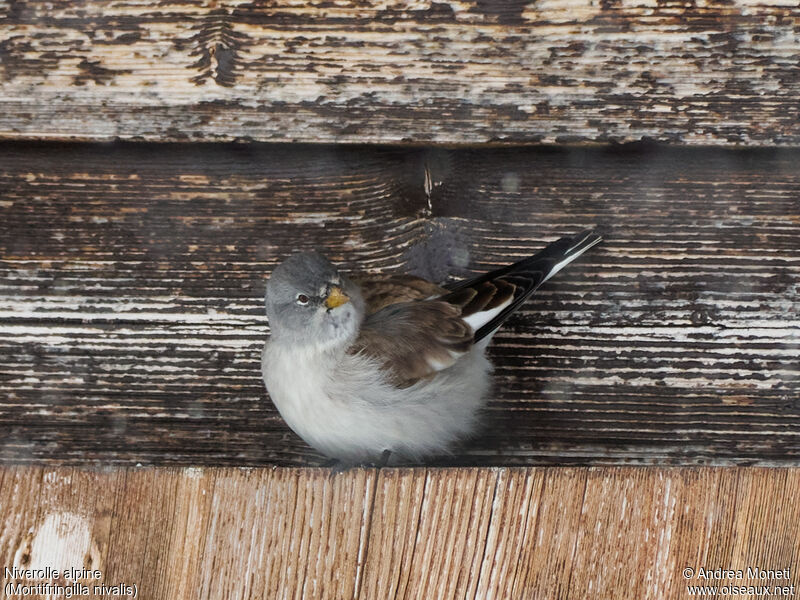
(409, 533)
(447, 72)
(132, 281)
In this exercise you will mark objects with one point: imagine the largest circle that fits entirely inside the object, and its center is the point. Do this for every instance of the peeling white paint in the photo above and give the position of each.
(62, 541)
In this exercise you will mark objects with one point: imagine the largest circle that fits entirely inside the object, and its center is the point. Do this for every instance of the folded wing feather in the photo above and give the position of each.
(415, 328)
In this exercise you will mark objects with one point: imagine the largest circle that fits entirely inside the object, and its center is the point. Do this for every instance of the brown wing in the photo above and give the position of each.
(415, 328)
(381, 291)
(413, 340)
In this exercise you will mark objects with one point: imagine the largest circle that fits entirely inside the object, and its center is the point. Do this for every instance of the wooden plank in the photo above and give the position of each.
(132, 276)
(514, 512)
(74, 512)
(431, 71)
(143, 506)
(451, 533)
(18, 502)
(194, 494)
(549, 540)
(614, 532)
(393, 537)
(300, 532)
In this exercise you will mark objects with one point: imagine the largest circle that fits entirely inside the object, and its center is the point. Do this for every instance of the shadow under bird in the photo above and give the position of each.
(364, 369)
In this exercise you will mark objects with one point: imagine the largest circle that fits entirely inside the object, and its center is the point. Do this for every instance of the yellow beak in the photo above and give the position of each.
(336, 298)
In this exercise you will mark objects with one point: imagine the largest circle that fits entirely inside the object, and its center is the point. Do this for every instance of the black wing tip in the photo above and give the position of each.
(539, 268)
(584, 240)
(565, 246)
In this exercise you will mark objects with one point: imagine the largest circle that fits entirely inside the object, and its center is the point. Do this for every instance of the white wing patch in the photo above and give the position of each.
(481, 318)
(438, 365)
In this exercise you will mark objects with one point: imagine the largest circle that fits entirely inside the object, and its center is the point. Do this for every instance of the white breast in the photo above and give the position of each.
(297, 383)
(342, 405)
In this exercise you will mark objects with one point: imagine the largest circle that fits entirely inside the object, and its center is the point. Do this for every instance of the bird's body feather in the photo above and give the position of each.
(402, 366)
(346, 407)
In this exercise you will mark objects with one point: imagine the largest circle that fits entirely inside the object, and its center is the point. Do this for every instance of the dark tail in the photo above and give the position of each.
(487, 292)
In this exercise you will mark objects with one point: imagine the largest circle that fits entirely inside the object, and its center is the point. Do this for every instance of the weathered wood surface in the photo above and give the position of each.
(607, 533)
(716, 71)
(131, 283)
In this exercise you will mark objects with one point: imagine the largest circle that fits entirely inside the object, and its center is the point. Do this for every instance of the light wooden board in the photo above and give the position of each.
(622, 533)
(453, 71)
(132, 281)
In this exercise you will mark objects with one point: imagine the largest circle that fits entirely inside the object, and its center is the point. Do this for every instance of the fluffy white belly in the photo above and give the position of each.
(341, 404)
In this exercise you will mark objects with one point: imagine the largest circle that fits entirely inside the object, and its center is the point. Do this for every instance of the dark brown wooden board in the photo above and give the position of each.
(131, 282)
(468, 71)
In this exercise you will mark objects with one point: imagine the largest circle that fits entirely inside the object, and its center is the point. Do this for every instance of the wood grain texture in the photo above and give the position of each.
(621, 533)
(471, 71)
(131, 283)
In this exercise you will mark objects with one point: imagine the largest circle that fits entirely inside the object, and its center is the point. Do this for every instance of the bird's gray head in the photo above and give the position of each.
(309, 303)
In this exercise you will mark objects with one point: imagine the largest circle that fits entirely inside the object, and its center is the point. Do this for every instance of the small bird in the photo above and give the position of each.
(390, 367)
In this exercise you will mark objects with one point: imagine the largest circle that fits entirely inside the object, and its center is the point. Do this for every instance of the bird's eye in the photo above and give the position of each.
(302, 299)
